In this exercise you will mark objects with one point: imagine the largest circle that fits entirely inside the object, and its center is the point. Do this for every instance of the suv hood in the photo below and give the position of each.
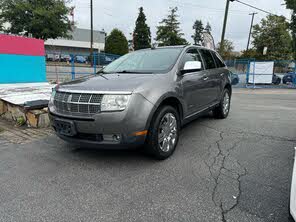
(109, 82)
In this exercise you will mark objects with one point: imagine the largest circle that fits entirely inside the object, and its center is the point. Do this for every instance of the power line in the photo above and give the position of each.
(206, 7)
(254, 7)
(259, 9)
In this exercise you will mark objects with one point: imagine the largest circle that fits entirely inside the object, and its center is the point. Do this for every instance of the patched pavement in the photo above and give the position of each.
(238, 169)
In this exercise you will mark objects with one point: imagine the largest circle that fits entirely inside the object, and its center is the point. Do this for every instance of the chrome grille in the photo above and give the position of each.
(80, 103)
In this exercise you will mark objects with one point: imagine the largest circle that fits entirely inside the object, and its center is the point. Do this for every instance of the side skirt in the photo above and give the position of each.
(199, 113)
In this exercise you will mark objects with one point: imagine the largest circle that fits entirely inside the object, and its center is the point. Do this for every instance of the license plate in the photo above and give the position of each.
(66, 128)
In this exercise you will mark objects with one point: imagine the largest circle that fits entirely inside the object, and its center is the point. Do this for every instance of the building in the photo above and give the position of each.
(21, 59)
(79, 44)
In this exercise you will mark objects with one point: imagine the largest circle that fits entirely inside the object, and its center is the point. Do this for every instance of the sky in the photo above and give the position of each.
(122, 14)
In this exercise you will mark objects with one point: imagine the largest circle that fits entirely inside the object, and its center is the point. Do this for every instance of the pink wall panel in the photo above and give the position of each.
(21, 46)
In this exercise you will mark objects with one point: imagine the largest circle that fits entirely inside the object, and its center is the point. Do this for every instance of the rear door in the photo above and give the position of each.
(212, 77)
(221, 70)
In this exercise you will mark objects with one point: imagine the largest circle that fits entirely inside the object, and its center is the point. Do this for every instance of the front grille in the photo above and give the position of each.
(80, 103)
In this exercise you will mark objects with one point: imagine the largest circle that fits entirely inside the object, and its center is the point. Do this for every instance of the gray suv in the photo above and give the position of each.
(142, 98)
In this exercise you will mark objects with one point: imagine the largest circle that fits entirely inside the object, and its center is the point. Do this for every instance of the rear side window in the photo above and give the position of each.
(218, 60)
(208, 59)
(191, 55)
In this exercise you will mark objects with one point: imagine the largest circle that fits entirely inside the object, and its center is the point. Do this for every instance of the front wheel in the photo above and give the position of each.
(222, 110)
(163, 134)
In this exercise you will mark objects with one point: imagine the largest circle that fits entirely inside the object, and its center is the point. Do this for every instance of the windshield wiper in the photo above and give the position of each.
(101, 73)
(130, 71)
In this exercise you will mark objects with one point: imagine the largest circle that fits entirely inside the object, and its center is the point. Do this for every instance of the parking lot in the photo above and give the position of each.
(237, 169)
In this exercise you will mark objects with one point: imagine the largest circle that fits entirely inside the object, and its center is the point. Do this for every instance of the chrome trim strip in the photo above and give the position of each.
(79, 103)
(193, 114)
(95, 92)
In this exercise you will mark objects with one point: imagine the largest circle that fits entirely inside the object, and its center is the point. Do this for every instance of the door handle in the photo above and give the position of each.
(222, 74)
(205, 78)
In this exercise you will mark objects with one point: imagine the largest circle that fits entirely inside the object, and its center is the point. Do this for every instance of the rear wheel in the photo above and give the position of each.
(222, 110)
(163, 134)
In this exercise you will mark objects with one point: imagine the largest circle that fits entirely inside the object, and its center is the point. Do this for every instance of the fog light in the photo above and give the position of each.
(116, 137)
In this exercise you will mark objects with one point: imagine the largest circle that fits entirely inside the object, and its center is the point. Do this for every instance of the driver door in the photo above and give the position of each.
(193, 83)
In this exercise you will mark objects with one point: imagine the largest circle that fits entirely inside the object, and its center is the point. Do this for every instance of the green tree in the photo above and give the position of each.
(198, 30)
(142, 34)
(42, 19)
(227, 51)
(273, 33)
(291, 4)
(116, 43)
(169, 32)
(250, 53)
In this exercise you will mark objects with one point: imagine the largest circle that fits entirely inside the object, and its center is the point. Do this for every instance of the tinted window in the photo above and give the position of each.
(191, 55)
(152, 60)
(218, 60)
(208, 59)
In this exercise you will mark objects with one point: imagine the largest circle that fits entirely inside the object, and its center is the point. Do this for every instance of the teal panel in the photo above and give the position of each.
(22, 69)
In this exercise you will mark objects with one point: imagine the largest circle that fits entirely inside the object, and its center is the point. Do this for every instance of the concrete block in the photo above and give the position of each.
(15, 112)
(3, 107)
(43, 121)
(32, 119)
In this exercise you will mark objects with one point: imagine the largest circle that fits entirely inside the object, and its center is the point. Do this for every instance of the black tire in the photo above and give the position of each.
(219, 111)
(278, 81)
(152, 146)
(234, 82)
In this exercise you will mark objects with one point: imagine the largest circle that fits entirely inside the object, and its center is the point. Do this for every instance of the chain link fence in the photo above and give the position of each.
(63, 67)
(251, 73)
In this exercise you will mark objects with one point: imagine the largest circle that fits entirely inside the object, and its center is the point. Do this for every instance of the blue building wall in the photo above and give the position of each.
(22, 68)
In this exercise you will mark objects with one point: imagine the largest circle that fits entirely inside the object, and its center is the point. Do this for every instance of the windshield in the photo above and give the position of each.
(145, 61)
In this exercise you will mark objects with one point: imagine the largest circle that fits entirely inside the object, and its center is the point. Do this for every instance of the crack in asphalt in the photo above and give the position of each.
(224, 155)
(278, 138)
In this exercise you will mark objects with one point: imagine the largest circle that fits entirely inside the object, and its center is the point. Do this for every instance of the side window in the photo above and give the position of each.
(208, 59)
(218, 60)
(191, 55)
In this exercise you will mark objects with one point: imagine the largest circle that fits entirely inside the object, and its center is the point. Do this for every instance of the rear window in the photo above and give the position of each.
(208, 59)
(218, 60)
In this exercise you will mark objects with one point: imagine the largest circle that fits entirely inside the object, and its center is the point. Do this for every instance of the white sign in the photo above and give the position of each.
(261, 72)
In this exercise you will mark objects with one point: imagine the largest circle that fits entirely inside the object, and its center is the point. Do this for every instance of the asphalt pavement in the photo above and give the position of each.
(237, 169)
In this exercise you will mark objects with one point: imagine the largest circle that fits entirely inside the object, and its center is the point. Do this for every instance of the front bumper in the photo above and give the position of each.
(101, 129)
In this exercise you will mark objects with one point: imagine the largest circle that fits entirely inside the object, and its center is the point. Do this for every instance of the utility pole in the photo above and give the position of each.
(224, 23)
(91, 28)
(252, 14)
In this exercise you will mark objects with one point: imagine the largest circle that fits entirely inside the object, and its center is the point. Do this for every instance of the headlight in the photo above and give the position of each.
(114, 102)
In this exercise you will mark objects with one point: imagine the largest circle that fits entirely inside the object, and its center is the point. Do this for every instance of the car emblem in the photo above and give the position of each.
(69, 102)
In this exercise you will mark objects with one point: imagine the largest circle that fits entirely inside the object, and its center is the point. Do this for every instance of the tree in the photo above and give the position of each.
(142, 34)
(198, 29)
(291, 4)
(116, 43)
(250, 53)
(208, 28)
(227, 51)
(42, 19)
(273, 33)
(168, 32)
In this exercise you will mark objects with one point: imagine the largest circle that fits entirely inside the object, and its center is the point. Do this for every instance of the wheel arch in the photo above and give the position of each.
(170, 100)
(228, 86)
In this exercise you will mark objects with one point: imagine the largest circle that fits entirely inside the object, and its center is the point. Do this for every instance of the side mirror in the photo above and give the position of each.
(191, 66)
